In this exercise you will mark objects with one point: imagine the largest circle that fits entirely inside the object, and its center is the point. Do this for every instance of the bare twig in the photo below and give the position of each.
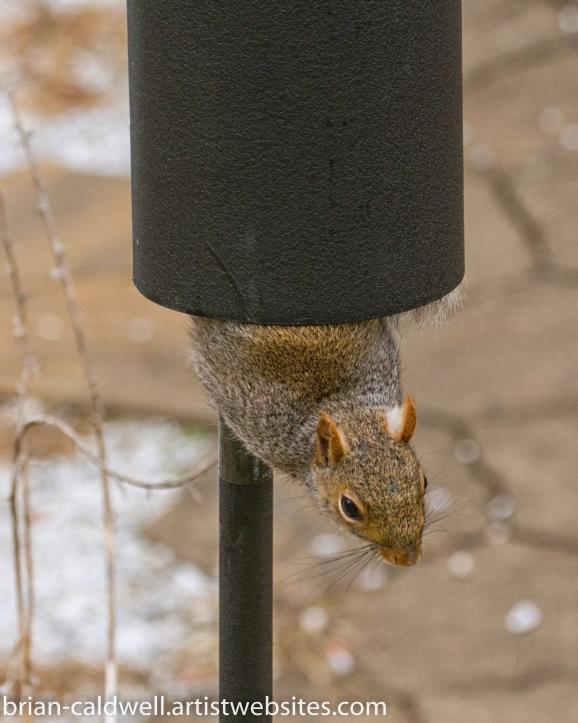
(63, 275)
(25, 600)
(67, 431)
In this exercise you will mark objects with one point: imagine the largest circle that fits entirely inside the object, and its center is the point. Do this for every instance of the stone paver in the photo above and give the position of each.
(507, 348)
(543, 703)
(534, 455)
(552, 197)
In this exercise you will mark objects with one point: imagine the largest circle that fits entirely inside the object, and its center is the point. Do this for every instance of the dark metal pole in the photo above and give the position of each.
(245, 577)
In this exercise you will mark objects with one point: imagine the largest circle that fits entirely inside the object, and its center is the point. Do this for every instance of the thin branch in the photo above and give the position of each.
(62, 273)
(67, 431)
(24, 599)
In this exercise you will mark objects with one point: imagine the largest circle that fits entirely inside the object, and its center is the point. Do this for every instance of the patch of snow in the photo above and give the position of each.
(568, 19)
(569, 137)
(501, 507)
(467, 451)
(326, 544)
(524, 617)
(313, 619)
(482, 157)
(499, 532)
(163, 604)
(339, 658)
(461, 564)
(92, 140)
(551, 120)
(141, 330)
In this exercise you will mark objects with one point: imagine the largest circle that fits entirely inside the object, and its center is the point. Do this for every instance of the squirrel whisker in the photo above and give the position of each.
(354, 566)
(445, 508)
(331, 566)
(333, 557)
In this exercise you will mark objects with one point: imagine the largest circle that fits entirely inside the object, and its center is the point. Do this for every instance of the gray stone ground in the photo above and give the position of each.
(497, 399)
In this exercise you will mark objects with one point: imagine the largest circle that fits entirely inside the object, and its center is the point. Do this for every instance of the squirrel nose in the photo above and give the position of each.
(405, 558)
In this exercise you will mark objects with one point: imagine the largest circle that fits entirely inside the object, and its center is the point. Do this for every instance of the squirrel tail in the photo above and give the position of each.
(435, 313)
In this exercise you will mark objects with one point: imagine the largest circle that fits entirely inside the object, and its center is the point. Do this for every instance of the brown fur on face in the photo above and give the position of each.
(383, 478)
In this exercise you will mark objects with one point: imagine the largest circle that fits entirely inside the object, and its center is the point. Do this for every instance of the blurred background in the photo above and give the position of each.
(486, 627)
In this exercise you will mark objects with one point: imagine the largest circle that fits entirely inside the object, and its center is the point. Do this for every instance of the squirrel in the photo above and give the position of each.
(323, 403)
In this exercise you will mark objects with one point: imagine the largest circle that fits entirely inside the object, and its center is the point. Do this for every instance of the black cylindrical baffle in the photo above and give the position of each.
(245, 579)
(296, 162)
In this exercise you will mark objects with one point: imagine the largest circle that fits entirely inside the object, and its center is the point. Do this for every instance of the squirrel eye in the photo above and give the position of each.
(424, 483)
(349, 508)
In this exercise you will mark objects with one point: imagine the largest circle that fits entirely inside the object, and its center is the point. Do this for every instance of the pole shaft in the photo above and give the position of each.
(245, 572)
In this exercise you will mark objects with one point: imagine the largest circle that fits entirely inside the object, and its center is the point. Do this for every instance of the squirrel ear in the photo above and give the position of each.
(401, 420)
(331, 442)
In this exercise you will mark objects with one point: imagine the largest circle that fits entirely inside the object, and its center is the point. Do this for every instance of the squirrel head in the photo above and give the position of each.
(367, 477)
